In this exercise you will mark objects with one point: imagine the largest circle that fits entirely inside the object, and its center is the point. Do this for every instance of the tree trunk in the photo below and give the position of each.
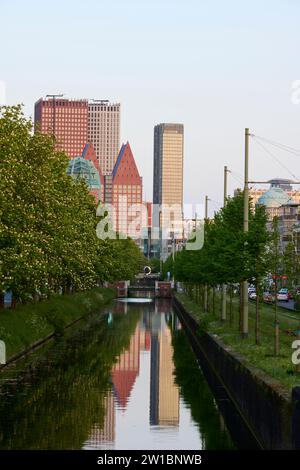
(241, 308)
(276, 325)
(257, 315)
(1, 301)
(230, 304)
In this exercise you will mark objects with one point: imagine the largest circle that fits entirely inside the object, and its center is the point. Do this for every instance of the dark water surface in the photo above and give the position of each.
(126, 379)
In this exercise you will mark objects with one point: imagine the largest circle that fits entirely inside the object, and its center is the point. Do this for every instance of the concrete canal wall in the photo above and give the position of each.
(271, 413)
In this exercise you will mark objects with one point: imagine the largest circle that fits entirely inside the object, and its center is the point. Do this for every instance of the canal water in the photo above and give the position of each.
(125, 379)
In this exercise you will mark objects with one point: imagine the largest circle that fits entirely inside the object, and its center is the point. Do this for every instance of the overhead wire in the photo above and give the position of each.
(284, 147)
(275, 158)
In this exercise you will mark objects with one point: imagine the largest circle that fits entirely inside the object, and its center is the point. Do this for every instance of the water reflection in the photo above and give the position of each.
(128, 379)
(164, 393)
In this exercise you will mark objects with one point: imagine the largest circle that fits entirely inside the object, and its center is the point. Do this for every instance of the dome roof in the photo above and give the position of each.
(79, 167)
(274, 197)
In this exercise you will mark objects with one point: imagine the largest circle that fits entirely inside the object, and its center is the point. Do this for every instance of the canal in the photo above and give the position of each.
(125, 379)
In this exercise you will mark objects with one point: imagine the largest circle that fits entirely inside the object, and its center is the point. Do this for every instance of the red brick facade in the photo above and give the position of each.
(127, 191)
(67, 120)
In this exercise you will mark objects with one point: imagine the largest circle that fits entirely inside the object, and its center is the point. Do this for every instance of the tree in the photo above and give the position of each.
(48, 239)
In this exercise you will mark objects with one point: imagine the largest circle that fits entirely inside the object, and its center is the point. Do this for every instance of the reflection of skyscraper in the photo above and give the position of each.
(164, 393)
(126, 370)
(104, 434)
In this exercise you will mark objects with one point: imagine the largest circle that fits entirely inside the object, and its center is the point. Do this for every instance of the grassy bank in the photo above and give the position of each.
(22, 327)
(262, 356)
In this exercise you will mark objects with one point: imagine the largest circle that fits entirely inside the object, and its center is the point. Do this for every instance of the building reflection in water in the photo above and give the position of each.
(164, 393)
(126, 370)
(104, 436)
(152, 335)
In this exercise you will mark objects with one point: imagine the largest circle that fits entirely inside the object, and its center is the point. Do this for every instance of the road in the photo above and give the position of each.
(290, 305)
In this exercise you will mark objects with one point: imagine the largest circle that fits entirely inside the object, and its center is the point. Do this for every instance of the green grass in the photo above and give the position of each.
(23, 326)
(261, 356)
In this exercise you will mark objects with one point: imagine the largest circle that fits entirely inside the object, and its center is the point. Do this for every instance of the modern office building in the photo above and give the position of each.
(127, 189)
(168, 164)
(168, 182)
(65, 119)
(104, 132)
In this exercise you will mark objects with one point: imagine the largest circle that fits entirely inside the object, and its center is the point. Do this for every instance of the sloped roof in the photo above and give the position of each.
(125, 158)
(117, 164)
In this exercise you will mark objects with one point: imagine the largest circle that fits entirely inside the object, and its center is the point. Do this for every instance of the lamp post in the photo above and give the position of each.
(224, 287)
(245, 320)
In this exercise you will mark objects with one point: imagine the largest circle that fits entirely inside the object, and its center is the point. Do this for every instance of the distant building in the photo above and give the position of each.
(86, 166)
(168, 182)
(284, 184)
(65, 119)
(127, 189)
(281, 201)
(273, 199)
(75, 123)
(147, 230)
(289, 224)
(104, 133)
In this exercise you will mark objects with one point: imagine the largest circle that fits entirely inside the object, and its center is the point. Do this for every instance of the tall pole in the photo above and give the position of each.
(205, 286)
(224, 287)
(225, 184)
(245, 326)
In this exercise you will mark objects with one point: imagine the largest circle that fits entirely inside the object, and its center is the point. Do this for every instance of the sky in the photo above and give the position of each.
(215, 66)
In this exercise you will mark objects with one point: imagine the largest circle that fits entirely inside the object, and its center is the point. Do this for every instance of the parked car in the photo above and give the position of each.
(268, 297)
(252, 295)
(283, 295)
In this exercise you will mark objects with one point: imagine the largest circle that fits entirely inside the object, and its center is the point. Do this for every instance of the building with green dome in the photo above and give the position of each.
(78, 167)
(273, 199)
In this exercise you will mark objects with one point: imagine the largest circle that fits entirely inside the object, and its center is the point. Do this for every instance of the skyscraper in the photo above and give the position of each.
(168, 164)
(168, 183)
(104, 132)
(66, 119)
(74, 123)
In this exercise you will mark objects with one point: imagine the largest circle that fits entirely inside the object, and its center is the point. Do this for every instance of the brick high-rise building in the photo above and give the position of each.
(127, 191)
(104, 133)
(66, 119)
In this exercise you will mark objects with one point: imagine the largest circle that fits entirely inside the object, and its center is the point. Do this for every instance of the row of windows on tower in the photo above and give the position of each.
(104, 108)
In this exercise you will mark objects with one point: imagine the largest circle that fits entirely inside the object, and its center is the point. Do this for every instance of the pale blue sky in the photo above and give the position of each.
(216, 66)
